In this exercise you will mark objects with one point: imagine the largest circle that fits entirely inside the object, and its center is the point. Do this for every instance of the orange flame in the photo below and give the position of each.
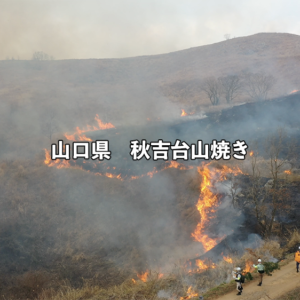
(228, 259)
(201, 264)
(103, 126)
(207, 203)
(58, 163)
(133, 280)
(177, 165)
(289, 172)
(109, 175)
(183, 113)
(79, 136)
(47, 160)
(249, 267)
(190, 294)
(251, 153)
(143, 276)
(61, 163)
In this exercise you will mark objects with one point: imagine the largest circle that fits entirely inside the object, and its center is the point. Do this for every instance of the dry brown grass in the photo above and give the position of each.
(293, 241)
(128, 290)
(170, 286)
(268, 250)
(51, 231)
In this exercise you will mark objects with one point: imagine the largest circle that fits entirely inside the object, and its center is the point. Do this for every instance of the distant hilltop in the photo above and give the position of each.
(126, 87)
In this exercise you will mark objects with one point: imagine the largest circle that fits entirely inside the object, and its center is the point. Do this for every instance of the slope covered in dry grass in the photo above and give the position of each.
(68, 229)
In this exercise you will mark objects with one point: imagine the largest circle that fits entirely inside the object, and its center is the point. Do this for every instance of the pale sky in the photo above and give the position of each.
(120, 28)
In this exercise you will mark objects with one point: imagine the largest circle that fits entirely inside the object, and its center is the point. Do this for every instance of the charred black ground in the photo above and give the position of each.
(251, 122)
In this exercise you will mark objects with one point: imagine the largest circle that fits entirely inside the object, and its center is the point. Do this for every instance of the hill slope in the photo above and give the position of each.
(131, 89)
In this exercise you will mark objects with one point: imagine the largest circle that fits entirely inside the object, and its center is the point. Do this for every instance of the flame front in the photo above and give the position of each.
(289, 172)
(228, 259)
(249, 267)
(190, 294)
(183, 113)
(201, 264)
(58, 163)
(78, 135)
(101, 125)
(143, 276)
(207, 203)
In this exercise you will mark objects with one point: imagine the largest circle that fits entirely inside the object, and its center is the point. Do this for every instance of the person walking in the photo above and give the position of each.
(261, 270)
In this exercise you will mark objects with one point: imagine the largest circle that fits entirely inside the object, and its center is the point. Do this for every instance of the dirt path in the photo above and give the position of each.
(282, 281)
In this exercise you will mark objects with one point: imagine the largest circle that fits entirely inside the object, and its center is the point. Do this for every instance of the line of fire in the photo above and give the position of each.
(218, 185)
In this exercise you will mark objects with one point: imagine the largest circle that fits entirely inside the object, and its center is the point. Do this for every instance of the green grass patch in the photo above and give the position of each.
(219, 290)
(270, 267)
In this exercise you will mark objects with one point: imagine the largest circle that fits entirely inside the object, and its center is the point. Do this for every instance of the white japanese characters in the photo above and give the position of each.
(181, 150)
(100, 150)
(160, 150)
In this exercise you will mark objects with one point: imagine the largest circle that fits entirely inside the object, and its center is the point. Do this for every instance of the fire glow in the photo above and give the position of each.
(228, 259)
(208, 202)
(61, 163)
(190, 294)
(79, 135)
(249, 267)
(184, 113)
(143, 276)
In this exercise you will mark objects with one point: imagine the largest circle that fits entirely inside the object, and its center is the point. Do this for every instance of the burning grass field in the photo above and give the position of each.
(114, 265)
(119, 237)
(120, 229)
(49, 238)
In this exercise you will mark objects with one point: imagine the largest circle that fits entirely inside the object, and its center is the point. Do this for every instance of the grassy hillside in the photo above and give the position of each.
(67, 229)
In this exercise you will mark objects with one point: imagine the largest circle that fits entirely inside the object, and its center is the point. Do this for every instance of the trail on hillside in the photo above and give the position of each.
(281, 282)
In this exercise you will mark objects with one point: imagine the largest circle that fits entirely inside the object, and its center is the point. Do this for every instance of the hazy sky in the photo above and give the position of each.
(121, 28)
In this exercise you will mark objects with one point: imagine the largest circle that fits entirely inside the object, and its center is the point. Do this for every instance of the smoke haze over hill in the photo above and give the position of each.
(97, 29)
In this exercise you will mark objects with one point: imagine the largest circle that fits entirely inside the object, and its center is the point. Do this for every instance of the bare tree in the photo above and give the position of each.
(50, 125)
(275, 147)
(293, 154)
(233, 187)
(257, 194)
(231, 86)
(270, 199)
(212, 87)
(258, 85)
